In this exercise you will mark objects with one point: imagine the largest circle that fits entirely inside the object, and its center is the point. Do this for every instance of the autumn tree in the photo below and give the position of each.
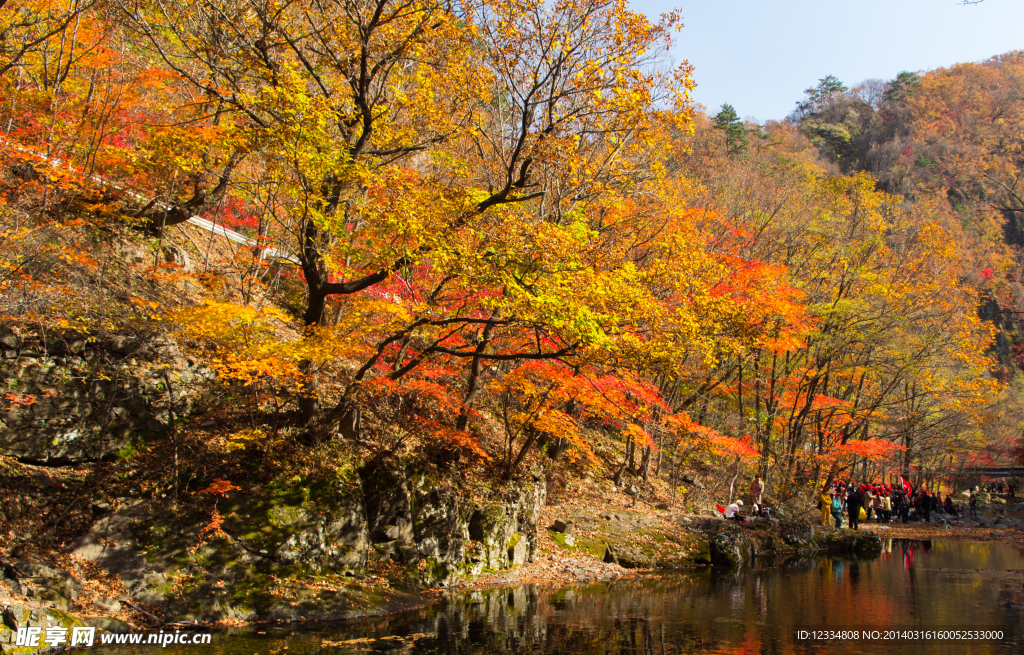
(531, 128)
(892, 321)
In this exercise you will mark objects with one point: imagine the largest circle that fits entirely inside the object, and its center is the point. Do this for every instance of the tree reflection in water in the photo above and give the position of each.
(934, 585)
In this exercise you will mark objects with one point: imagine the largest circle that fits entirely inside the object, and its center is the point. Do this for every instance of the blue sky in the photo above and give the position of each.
(760, 56)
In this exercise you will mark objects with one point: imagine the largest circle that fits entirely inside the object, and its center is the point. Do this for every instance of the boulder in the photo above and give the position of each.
(798, 535)
(40, 617)
(297, 527)
(630, 557)
(563, 526)
(725, 548)
(178, 257)
(492, 525)
(108, 605)
(108, 396)
(320, 527)
(135, 256)
(865, 544)
(45, 582)
(388, 507)
(693, 481)
(9, 338)
(440, 533)
(10, 619)
(519, 550)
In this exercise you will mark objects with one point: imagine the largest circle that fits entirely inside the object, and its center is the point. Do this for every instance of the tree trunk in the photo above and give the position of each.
(309, 400)
(617, 478)
(645, 462)
(474, 376)
(531, 436)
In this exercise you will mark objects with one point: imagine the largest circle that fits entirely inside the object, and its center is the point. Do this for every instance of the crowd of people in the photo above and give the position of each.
(847, 504)
(862, 502)
(1000, 487)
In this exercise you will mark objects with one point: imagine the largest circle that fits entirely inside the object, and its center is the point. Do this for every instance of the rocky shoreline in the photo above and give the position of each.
(369, 540)
(34, 593)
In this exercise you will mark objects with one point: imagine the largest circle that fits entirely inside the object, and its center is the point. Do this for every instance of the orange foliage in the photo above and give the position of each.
(219, 488)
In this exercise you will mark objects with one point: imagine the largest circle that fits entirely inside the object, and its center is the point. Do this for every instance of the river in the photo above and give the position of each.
(939, 586)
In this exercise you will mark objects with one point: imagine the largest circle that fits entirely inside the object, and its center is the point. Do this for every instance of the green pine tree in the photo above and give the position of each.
(735, 133)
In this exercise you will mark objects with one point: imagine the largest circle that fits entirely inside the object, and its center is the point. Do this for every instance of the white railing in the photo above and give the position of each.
(202, 223)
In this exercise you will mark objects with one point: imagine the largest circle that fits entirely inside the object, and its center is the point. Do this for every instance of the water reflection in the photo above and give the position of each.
(912, 585)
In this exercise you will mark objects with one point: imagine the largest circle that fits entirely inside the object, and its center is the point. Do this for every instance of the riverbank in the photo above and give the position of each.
(759, 608)
(67, 591)
(345, 543)
(557, 566)
(54, 589)
(921, 531)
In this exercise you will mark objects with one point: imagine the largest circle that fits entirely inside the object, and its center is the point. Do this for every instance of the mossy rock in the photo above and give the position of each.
(321, 526)
(285, 596)
(631, 557)
(772, 543)
(44, 618)
(559, 539)
(702, 553)
(726, 549)
(492, 526)
(725, 554)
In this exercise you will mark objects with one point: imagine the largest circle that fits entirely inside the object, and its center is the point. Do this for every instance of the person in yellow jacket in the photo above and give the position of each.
(826, 506)
(886, 508)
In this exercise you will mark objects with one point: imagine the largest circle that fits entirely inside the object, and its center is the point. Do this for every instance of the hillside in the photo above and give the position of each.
(949, 139)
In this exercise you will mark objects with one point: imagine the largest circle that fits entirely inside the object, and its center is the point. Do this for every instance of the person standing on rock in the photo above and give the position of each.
(869, 502)
(876, 505)
(974, 505)
(825, 505)
(756, 490)
(853, 503)
(837, 508)
(924, 505)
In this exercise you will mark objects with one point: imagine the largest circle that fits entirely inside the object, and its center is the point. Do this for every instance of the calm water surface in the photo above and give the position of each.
(937, 585)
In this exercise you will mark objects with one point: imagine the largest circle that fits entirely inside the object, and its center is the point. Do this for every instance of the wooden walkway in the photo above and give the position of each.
(1004, 472)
